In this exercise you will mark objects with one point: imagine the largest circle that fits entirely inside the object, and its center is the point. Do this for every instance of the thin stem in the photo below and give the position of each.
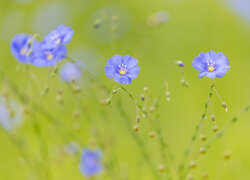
(194, 136)
(138, 141)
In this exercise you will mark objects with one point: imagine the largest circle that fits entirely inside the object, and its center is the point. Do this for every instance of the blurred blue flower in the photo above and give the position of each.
(72, 148)
(211, 64)
(122, 69)
(61, 35)
(241, 8)
(90, 162)
(23, 47)
(49, 56)
(10, 115)
(70, 72)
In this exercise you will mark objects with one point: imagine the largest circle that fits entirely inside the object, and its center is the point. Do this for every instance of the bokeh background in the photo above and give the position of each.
(189, 27)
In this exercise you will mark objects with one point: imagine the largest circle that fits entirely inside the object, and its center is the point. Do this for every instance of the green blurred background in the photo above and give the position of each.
(193, 26)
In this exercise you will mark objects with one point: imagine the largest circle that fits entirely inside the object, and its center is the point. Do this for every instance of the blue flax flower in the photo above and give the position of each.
(122, 69)
(10, 115)
(70, 72)
(90, 163)
(211, 64)
(49, 56)
(61, 35)
(23, 47)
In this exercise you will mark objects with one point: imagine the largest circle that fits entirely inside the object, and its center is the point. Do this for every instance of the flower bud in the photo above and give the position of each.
(138, 119)
(212, 117)
(203, 137)
(152, 109)
(227, 155)
(136, 128)
(215, 128)
(180, 63)
(204, 175)
(192, 164)
(203, 150)
(167, 96)
(142, 97)
(190, 177)
(162, 168)
(152, 134)
(145, 89)
(225, 106)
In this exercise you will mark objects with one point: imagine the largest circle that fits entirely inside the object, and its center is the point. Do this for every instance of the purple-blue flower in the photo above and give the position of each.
(10, 114)
(49, 56)
(211, 64)
(23, 47)
(122, 69)
(70, 72)
(90, 164)
(61, 35)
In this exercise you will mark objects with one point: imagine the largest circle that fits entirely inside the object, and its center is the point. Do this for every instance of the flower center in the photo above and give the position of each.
(122, 69)
(26, 49)
(211, 65)
(50, 56)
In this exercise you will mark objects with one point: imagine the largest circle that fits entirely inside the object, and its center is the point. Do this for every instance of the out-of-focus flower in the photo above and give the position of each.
(122, 69)
(23, 47)
(10, 115)
(70, 72)
(211, 64)
(240, 7)
(90, 162)
(157, 19)
(61, 35)
(72, 148)
(49, 56)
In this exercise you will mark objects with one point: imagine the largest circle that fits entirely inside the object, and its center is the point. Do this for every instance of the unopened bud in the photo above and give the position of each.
(212, 117)
(138, 119)
(142, 97)
(136, 128)
(190, 177)
(167, 96)
(203, 137)
(215, 128)
(180, 63)
(204, 175)
(227, 155)
(152, 134)
(225, 106)
(108, 101)
(203, 150)
(145, 89)
(192, 164)
(162, 168)
(152, 109)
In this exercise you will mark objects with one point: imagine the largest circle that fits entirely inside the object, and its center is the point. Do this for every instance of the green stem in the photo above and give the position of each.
(194, 136)
(138, 141)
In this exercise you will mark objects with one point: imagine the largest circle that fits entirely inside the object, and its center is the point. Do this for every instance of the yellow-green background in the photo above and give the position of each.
(194, 26)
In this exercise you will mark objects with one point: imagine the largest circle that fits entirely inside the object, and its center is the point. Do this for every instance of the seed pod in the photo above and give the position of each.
(190, 177)
(204, 175)
(215, 128)
(152, 134)
(162, 168)
(203, 137)
(136, 128)
(227, 155)
(193, 164)
(203, 150)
